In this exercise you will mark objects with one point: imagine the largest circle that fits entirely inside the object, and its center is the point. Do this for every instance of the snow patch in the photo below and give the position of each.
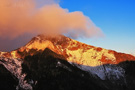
(89, 57)
(111, 72)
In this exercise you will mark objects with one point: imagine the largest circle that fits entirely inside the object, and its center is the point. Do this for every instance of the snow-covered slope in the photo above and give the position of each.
(72, 50)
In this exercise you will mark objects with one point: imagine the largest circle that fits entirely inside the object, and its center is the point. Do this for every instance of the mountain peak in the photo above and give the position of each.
(52, 38)
(42, 40)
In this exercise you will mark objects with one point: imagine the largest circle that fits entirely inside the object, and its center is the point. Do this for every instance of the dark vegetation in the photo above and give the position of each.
(7, 80)
(129, 67)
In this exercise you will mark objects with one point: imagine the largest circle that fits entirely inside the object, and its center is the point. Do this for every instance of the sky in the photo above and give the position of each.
(115, 18)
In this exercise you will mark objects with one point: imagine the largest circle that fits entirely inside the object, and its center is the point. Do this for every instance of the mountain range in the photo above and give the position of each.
(61, 63)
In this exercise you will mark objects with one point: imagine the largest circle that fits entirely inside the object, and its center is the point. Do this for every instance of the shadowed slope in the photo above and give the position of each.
(7, 80)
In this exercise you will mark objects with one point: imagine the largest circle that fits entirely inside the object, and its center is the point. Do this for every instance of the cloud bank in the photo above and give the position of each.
(18, 17)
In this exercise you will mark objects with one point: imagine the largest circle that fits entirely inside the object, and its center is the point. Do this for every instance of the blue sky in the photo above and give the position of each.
(116, 18)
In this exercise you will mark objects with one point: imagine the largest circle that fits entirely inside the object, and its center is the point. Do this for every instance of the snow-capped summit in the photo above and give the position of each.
(77, 52)
(72, 50)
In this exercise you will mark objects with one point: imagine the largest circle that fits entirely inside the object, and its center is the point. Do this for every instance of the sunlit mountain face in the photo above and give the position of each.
(72, 50)
(60, 63)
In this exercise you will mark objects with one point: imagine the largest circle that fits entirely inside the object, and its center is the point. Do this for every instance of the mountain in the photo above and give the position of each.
(72, 50)
(58, 62)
